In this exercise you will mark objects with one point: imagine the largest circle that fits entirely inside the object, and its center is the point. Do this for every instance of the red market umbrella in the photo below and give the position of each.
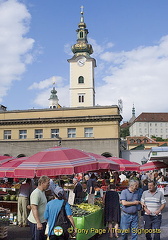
(56, 161)
(105, 163)
(4, 159)
(125, 165)
(153, 166)
(7, 168)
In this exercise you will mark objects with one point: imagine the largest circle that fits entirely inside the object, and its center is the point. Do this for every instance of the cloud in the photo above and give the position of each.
(42, 97)
(138, 76)
(15, 47)
(44, 88)
(58, 80)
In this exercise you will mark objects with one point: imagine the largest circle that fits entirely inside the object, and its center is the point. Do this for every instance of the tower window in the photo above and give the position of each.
(81, 98)
(81, 79)
(81, 34)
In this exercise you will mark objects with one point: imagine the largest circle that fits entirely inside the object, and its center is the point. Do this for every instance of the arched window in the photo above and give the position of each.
(81, 34)
(81, 79)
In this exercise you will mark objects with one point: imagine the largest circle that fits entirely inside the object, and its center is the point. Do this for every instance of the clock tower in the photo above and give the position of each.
(82, 91)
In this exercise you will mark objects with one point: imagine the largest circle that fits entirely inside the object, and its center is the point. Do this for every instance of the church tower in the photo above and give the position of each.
(53, 100)
(82, 90)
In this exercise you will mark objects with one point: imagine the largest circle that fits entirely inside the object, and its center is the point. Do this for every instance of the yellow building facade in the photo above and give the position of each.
(93, 129)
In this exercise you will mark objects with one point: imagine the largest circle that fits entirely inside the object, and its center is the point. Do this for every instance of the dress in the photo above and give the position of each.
(112, 212)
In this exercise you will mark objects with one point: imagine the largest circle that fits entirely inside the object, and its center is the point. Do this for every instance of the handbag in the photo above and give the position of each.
(62, 222)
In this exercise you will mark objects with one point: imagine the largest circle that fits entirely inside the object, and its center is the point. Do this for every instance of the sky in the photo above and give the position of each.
(129, 39)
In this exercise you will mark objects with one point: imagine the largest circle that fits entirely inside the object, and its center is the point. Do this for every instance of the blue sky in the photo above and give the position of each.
(130, 42)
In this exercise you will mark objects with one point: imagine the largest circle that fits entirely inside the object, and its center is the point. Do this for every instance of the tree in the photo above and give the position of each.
(124, 132)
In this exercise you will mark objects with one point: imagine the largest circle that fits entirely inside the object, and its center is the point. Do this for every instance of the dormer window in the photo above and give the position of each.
(138, 140)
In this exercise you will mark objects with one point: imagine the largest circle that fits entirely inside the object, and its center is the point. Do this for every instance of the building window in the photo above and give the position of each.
(150, 124)
(71, 132)
(81, 79)
(88, 132)
(156, 130)
(145, 130)
(161, 124)
(161, 130)
(139, 124)
(7, 134)
(140, 130)
(38, 133)
(81, 98)
(138, 141)
(81, 34)
(155, 124)
(132, 141)
(54, 133)
(166, 130)
(22, 134)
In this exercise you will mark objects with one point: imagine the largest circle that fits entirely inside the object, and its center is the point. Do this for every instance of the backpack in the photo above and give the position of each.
(62, 222)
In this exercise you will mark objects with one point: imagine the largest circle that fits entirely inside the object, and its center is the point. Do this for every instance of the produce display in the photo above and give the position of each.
(99, 202)
(78, 212)
(88, 207)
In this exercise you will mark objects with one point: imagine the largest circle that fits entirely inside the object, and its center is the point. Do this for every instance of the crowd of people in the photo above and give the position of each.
(123, 211)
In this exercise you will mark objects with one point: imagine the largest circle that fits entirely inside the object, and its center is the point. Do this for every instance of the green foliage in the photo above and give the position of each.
(124, 132)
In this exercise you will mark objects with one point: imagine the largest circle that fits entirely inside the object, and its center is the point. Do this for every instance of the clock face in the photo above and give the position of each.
(81, 62)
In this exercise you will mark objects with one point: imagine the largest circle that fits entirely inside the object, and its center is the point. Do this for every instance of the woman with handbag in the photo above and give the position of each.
(59, 217)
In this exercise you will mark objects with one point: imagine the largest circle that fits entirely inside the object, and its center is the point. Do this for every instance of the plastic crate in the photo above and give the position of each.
(3, 232)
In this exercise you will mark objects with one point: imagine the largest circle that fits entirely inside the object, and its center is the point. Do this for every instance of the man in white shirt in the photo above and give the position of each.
(38, 203)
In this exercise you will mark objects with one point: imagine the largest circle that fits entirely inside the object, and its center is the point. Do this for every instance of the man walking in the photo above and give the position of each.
(90, 189)
(130, 199)
(154, 202)
(38, 203)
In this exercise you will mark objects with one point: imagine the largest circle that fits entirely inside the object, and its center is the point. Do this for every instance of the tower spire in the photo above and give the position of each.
(133, 111)
(53, 97)
(82, 47)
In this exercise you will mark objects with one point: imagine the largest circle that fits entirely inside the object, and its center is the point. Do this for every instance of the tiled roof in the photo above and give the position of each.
(125, 125)
(152, 117)
(142, 139)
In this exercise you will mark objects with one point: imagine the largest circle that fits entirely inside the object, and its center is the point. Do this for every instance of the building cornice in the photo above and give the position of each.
(62, 120)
